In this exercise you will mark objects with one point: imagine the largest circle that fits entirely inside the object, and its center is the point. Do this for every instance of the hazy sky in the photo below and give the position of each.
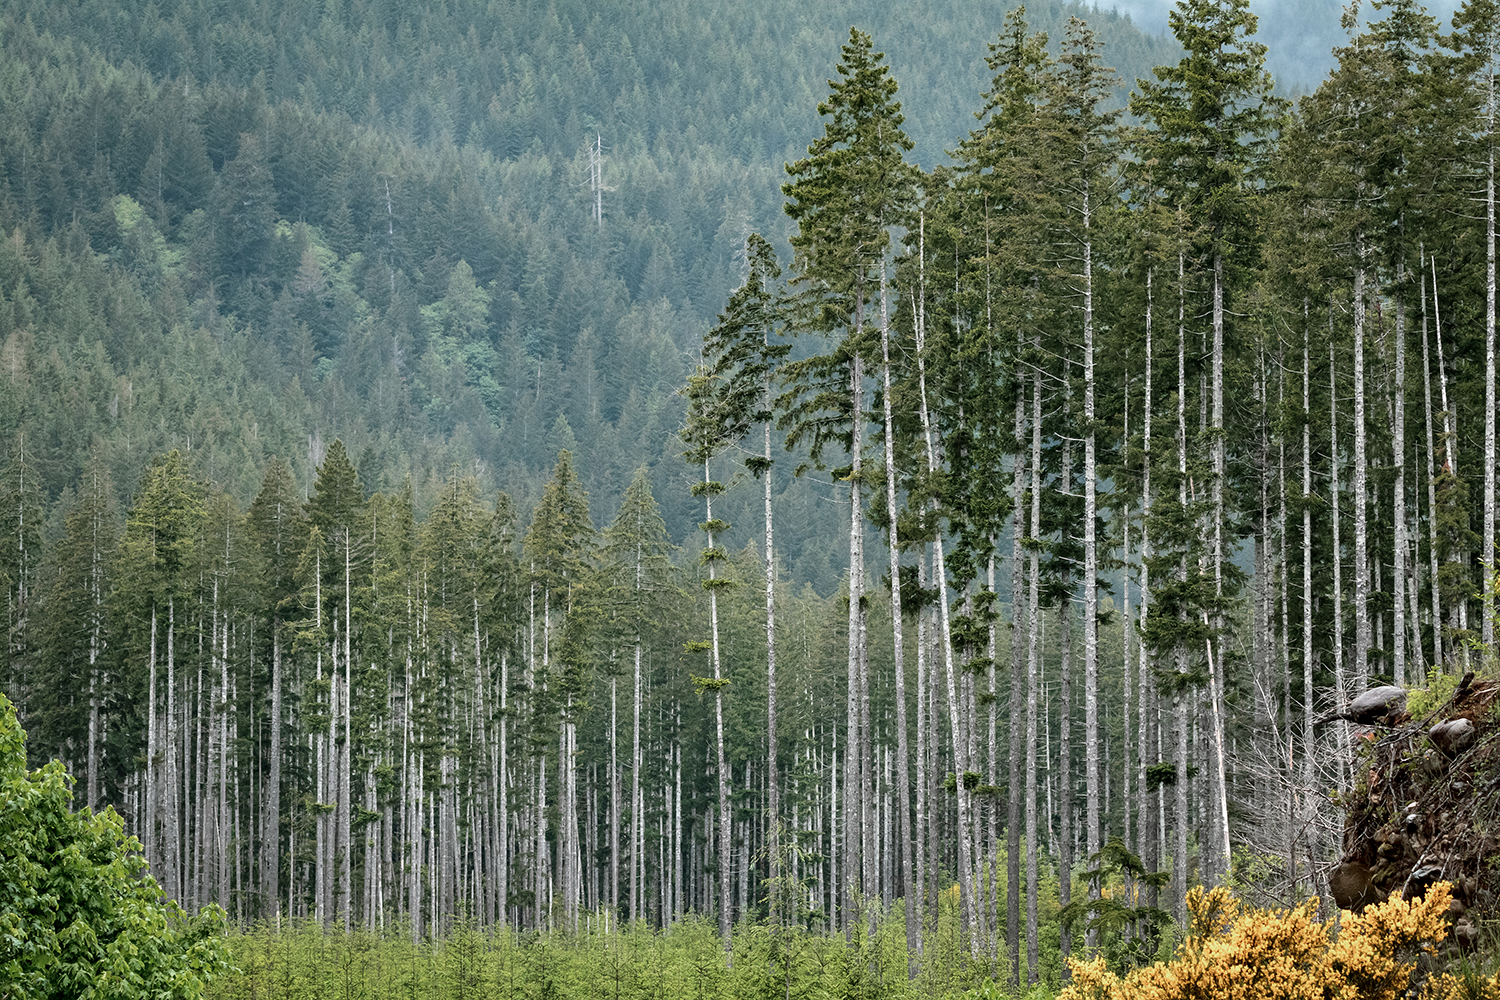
(1301, 34)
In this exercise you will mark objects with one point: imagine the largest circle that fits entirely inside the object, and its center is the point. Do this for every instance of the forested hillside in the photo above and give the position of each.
(1062, 465)
(379, 224)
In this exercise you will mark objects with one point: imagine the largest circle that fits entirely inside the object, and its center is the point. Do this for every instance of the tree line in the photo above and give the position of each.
(1131, 405)
(1167, 360)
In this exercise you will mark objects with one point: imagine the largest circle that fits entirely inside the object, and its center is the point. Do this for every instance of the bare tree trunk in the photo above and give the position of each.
(1216, 662)
(1091, 776)
(502, 796)
(962, 795)
(1019, 737)
(1340, 694)
(903, 831)
(1459, 613)
(345, 777)
(1033, 666)
(1432, 536)
(637, 827)
(773, 776)
(925, 724)
(1065, 743)
(222, 858)
(614, 793)
(1398, 508)
(1126, 624)
(852, 880)
(1487, 595)
(96, 632)
(1146, 829)
(725, 829)
(1362, 642)
(1179, 701)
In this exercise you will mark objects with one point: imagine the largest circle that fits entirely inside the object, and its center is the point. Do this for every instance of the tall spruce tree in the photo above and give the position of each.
(845, 196)
(277, 528)
(335, 511)
(78, 691)
(559, 546)
(1085, 138)
(1003, 193)
(746, 349)
(636, 556)
(1210, 121)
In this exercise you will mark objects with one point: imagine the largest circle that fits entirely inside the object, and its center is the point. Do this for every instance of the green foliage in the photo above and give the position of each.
(1422, 701)
(606, 961)
(80, 915)
(1130, 931)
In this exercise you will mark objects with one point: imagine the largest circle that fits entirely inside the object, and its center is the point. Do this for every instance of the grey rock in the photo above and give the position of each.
(1375, 704)
(1454, 736)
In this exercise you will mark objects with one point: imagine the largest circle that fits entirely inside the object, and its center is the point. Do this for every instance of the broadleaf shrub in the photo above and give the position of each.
(1234, 952)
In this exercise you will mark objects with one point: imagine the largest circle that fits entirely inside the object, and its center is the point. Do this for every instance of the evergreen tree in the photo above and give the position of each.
(77, 691)
(22, 511)
(636, 557)
(277, 529)
(559, 546)
(845, 196)
(1209, 124)
(153, 589)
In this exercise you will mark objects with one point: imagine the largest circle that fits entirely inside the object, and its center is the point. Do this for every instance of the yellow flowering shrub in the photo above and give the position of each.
(1236, 953)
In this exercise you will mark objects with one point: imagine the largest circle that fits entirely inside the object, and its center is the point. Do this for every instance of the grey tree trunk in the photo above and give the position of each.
(1179, 702)
(1033, 667)
(960, 762)
(903, 830)
(773, 777)
(1432, 536)
(271, 845)
(852, 880)
(614, 794)
(1459, 613)
(1398, 499)
(925, 726)
(1126, 624)
(1340, 692)
(1216, 658)
(1018, 734)
(1309, 701)
(1146, 829)
(725, 828)
(1361, 664)
(637, 828)
(502, 796)
(1090, 572)
(1487, 615)
(1065, 744)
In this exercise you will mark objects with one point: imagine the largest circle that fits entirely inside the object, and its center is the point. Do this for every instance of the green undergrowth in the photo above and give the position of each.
(602, 961)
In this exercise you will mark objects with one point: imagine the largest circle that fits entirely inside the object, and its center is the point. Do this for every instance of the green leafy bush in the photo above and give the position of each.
(79, 915)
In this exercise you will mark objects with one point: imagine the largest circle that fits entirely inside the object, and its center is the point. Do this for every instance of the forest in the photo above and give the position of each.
(511, 466)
